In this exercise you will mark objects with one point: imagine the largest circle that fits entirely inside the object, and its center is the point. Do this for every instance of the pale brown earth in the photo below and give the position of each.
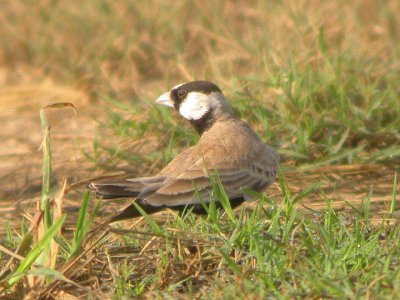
(21, 158)
(21, 136)
(350, 185)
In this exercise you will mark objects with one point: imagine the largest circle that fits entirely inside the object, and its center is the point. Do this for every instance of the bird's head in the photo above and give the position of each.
(200, 102)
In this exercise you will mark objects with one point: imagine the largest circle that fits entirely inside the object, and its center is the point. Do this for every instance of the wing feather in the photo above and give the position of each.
(181, 192)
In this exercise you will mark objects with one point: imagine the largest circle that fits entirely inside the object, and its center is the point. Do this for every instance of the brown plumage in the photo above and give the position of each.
(228, 148)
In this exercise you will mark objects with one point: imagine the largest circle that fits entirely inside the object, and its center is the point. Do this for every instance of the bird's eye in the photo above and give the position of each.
(182, 94)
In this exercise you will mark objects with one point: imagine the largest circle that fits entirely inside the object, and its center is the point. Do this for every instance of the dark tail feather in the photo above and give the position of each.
(113, 190)
(124, 188)
(131, 212)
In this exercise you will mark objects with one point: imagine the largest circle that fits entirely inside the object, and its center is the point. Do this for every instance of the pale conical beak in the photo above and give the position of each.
(165, 100)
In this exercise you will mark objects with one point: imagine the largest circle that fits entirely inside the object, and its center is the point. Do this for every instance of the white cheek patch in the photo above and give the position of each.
(195, 106)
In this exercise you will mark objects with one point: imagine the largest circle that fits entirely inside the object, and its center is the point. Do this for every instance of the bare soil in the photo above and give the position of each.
(21, 136)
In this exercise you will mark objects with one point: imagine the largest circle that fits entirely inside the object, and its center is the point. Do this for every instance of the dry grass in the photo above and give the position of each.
(124, 48)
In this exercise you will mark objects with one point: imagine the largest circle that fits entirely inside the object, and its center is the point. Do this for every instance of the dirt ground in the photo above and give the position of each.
(21, 158)
(21, 136)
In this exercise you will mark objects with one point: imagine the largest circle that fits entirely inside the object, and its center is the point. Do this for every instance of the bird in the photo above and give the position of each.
(228, 149)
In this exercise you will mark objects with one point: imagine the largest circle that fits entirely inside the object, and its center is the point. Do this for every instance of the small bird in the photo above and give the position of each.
(228, 148)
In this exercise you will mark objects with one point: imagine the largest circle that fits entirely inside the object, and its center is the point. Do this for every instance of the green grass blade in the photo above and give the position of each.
(394, 195)
(82, 225)
(156, 229)
(222, 197)
(313, 187)
(231, 263)
(37, 249)
(46, 170)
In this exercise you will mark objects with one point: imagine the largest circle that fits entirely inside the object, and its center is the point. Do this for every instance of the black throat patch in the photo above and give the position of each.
(204, 123)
